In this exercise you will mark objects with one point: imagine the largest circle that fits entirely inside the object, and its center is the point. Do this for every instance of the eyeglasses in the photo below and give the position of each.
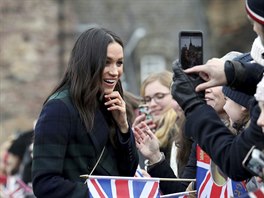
(157, 97)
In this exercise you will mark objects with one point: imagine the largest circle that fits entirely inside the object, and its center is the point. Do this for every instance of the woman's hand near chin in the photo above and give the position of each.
(117, 106)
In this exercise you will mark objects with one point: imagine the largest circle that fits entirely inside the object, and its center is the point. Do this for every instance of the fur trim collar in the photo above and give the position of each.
(257, 51)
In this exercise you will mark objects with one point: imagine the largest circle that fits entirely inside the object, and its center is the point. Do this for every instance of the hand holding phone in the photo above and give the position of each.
(144, 109)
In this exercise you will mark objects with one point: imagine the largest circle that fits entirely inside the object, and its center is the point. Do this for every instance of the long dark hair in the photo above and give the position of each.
(83, 76)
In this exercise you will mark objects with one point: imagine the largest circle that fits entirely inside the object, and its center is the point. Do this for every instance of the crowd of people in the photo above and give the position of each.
(203, 124)
(15, 167)
(90, 125)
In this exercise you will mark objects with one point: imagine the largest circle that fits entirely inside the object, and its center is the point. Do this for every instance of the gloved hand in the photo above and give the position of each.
(183, 89)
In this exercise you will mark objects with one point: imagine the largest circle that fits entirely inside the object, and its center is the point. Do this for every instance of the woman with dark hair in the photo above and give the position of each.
(83, 127)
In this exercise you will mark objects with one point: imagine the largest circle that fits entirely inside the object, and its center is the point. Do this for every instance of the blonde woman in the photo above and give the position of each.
(166, 125)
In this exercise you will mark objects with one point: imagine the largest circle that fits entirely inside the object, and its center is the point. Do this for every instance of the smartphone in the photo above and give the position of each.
(254, 162)
(144, 109)
(190, 48)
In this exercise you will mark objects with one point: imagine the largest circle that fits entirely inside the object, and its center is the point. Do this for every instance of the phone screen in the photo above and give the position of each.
(144, 109)
(254, 162)
(190, 48)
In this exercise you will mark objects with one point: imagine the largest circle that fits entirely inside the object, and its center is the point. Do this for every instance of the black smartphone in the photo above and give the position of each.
(190, 48)
(254, 162)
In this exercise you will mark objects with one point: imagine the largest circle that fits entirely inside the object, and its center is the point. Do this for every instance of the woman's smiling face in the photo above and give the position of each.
(114, 67)
(159, 98)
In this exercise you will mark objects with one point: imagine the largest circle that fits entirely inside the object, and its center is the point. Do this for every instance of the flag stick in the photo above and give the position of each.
(176, 179)
(138, 178)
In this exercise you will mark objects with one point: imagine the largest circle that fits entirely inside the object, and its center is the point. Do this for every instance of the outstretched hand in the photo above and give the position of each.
(147, 143)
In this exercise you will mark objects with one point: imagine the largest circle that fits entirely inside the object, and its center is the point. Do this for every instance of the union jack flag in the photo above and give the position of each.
(212, 183)
(255, 194)
(120, 187)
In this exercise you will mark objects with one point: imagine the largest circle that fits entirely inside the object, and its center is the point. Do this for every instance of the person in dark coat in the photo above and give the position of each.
(204, 126)
(17, 150)
(202, 123)
(83, 126)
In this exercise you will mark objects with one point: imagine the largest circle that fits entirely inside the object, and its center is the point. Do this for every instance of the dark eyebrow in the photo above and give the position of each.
(109, 58)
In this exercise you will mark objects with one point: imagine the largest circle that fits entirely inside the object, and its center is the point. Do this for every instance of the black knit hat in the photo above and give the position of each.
(237, 96)
(255, 9)
(20, 144)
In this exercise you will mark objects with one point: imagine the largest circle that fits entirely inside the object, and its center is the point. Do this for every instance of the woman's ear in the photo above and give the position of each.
(244, 109)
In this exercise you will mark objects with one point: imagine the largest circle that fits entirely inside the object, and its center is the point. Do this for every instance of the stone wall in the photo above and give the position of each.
(29, 59)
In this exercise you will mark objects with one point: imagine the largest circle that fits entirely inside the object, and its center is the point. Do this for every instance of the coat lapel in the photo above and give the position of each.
(100, 132)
